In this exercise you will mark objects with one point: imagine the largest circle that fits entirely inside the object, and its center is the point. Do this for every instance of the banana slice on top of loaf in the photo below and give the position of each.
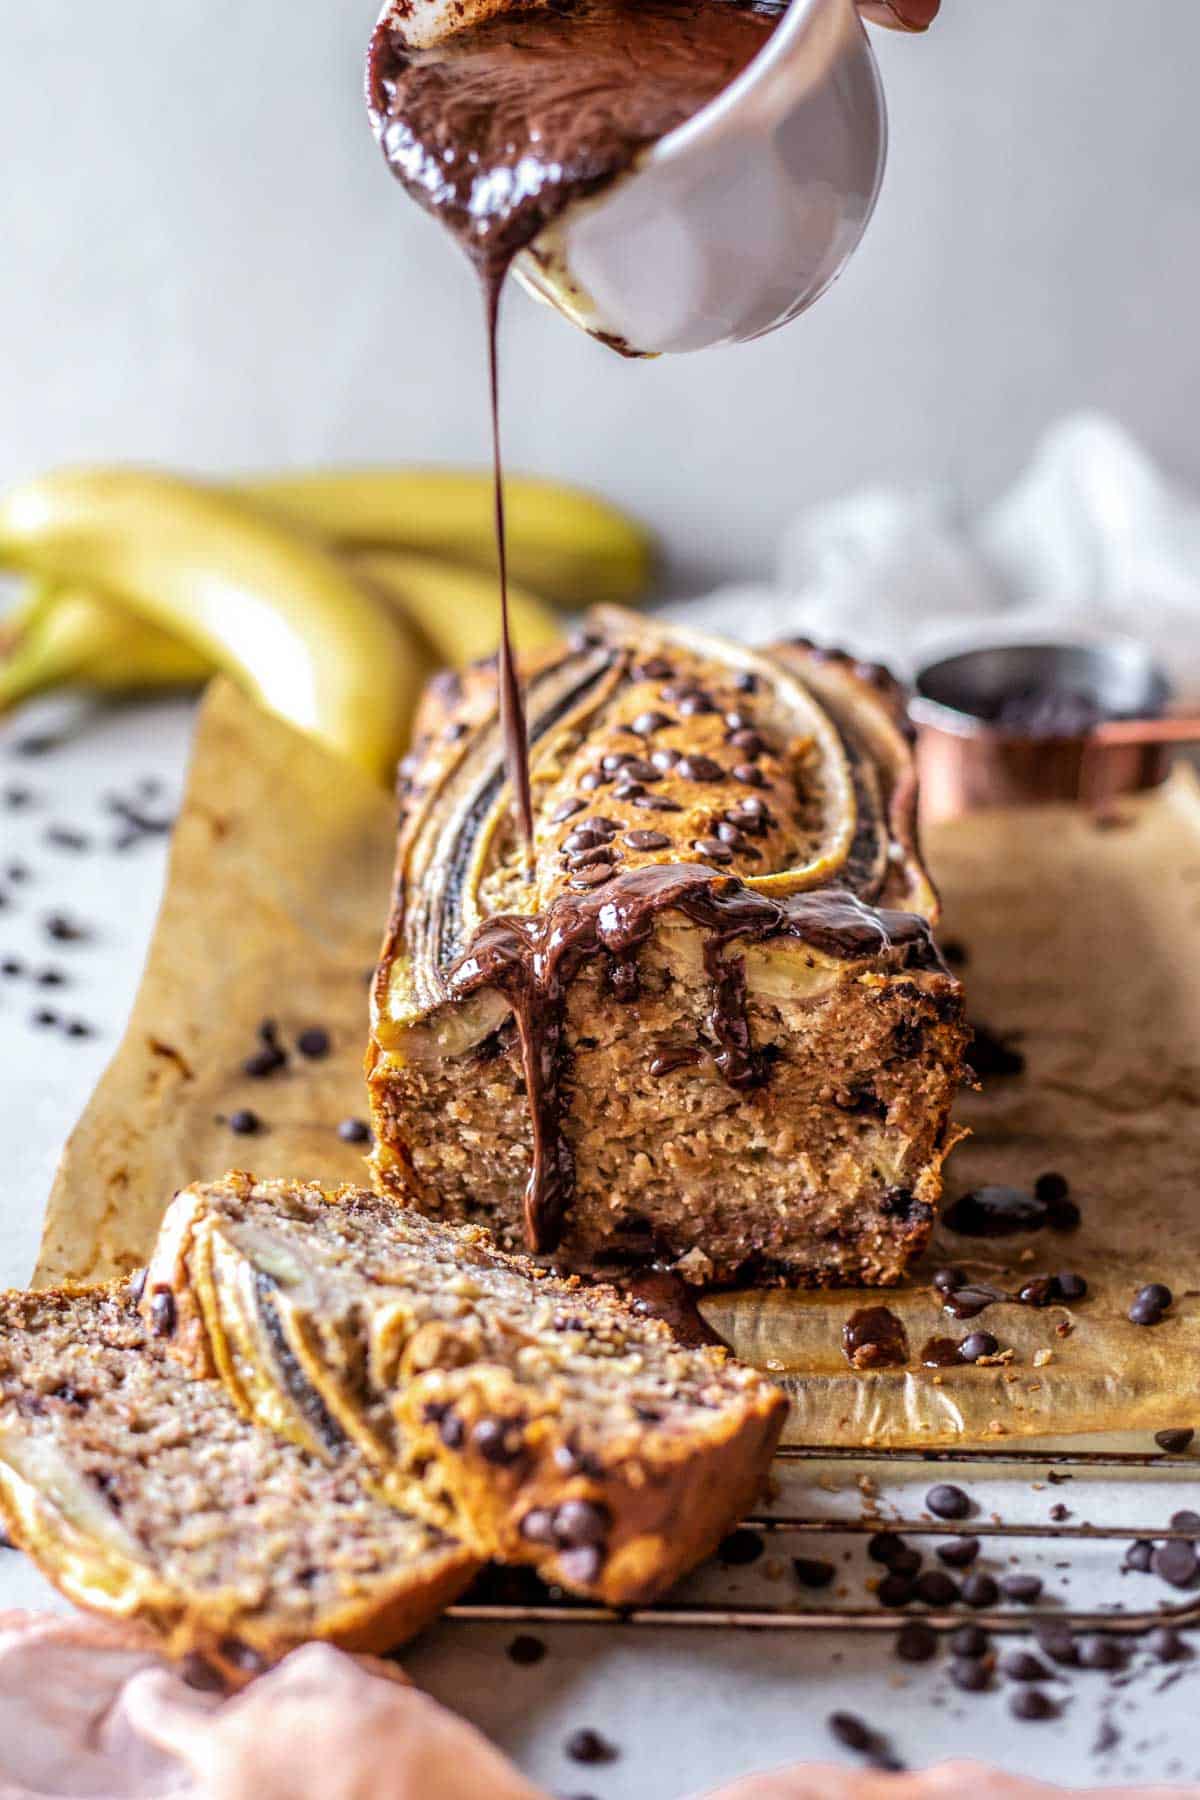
(542, 1420)
(143, 1494)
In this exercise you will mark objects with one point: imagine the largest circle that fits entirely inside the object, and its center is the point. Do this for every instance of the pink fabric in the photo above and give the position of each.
(89, 1711)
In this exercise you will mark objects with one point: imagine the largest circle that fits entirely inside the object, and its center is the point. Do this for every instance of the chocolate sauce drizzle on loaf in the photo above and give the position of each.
(533, 962)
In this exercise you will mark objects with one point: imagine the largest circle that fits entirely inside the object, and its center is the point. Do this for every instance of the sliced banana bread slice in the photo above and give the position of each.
(547, 1421)
(141, 1493)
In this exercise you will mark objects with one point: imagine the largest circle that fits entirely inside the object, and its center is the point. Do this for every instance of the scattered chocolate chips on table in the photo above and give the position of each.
(587, 1746)
(980, 1589)
(1176, 1563)
(1024, 1589)
(1022, 1665)
(936, 1588)
(354, 1131)
(811, 1572)
(948, 1502)
(525, 1650)
(916, 1643)
(1100, 1653)
(989, 1054)
(972, 1674)
(1031, 1703)
(971, 1641)
(959, 1553)
(740, 1548)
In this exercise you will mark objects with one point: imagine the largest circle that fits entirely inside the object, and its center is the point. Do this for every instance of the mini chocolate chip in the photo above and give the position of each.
(977, 1344)
(886, 1547)
(591, 859)
(980, 1590)
(525, 1650)
(616, 761)
(1070, 1285)
(647, 723)
(851, 1731)
(638, 769)
(592, 780)
(970, 1641)
(244, 1123)
(647, 840)
(1174, 1441)
(740, 1547)
(51, 977)
(584, 837)
(1185, 1520)
(162, 1312)
(655, 668)
(589, 1747)
(1165, 1643)
(1040, 1291)
(1149, 1304)
(1021, 1665)
(1100, 1653)
(1139, 1556)
(12, 965)
(748, 775)
(739, 721)
(947, 1502)
(1175, 1562)
(592, 877)
(746, 682)
(958, 1553)
(955, 953)
(566, 809)
(665, 758)
(1051, 1187)
(354, 1131)
(197, 1672)
(730, 834)
(44, 1016)
(811, 1572)
(1063, 1215)
(1058, 1512)
(699, 768)
(628, 790)
(693, 704)
(936, 1588)
(65, 837)
(971, 1674)
(895, 1590)
(947, 1280)
(608, 828)
(581, 1565)
(1056, 1642)
(78, 1028)
(1030, 1703)
(712, 849)
(451, 1430)
(580, 1522)
(314, 1042)
(537, 1527)
(64, 930)
(748, 742)
(498, 1441)
(657, 803)
(1024, 1589)
(264, 1062)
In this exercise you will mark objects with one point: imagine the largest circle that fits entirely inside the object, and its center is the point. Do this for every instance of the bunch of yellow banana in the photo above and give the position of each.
(330, 596)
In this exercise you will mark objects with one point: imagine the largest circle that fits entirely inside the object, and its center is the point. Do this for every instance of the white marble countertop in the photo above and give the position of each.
(684, 1708)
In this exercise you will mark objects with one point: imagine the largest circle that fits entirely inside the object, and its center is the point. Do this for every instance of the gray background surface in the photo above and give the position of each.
(205, 262)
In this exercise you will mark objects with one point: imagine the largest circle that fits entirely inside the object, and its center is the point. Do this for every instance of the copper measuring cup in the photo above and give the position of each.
(966, 758)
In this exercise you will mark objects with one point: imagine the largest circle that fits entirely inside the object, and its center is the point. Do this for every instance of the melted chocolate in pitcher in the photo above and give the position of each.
(500, 126)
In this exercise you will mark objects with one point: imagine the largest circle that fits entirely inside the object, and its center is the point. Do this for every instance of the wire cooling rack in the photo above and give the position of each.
(1101, 1481)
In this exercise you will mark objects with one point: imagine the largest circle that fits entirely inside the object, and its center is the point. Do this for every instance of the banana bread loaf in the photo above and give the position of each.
(542, 1420)
(143, 1494)
(708, 1026)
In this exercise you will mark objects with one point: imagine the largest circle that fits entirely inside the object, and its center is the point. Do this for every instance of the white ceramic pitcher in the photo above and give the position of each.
(736, 221)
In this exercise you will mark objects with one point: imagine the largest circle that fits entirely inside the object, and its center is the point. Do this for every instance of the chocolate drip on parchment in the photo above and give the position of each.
(533, 962)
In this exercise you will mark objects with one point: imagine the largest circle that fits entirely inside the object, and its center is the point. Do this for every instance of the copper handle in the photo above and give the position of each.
(1146, 731)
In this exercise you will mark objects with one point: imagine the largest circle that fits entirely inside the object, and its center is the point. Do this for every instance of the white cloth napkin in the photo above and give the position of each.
(1091, 542)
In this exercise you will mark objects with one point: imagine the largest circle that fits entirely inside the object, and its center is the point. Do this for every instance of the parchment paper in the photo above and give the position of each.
(1084, 938)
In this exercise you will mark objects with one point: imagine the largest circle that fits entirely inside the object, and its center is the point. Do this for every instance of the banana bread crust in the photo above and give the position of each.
(709, 1026)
